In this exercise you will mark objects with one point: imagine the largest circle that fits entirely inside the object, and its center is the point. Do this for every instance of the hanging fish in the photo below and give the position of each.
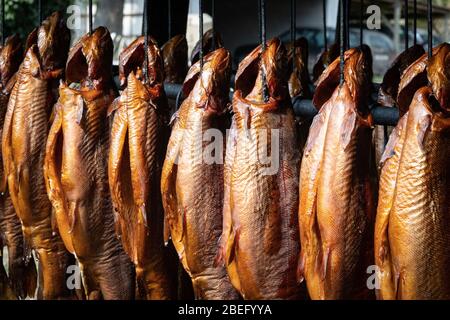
(22, 270)
(175, 54)
(211, 41)
(23, 143)
(192, 178)
(412, 243)
(299, 81)
(325, 59)
(75, 169)
(337, 187)
(260, 241)
(139, 137)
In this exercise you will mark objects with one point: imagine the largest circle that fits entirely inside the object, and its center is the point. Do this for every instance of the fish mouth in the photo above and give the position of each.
(10, 58)
(53, 41)
(132, 59)
(215, 78)
(90, 59)
(273, 61)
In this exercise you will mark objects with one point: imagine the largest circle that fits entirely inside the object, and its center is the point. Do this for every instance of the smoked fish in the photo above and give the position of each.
(337, 184)
(299, 80)
(75, 169)
(412, 243)
(175, 55)
(139, 137)
(22, 270)
(324, 60)
(192, 177)
(24, 135)
(211, 41)
(260, 242)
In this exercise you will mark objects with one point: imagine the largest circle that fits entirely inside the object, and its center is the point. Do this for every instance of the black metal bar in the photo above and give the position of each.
(200, 29)
(361, 22)
(347, 23)
(145, 24)
(430, 28)
(90, 17)
(415, 22)
(325, 39)
(2, 23)
(40, 11)
(213, 15)
(169, 18)
(342, 40)
(293, 30)
(262, 34)
(406, 31)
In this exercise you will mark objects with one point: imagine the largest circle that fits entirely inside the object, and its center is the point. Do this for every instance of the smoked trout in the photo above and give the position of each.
(22, 270)
(192, 177)
(412, 243)
(75, 168)
(325, 59)
(299, 80)
(211, 41)
(23, 144)
(337, 187)
(139, 136)
(260, 242)
(175, 55)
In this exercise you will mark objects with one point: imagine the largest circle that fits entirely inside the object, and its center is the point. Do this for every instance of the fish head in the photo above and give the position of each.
(272, 63)
(210, 86)
(53, 41)
(299, 51)
(208, 40)
(132, 59)
(90, 60)
(10, 59)
(175, 55)
(439, 75)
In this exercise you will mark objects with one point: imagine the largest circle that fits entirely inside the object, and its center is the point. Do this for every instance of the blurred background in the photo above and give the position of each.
(237, 21)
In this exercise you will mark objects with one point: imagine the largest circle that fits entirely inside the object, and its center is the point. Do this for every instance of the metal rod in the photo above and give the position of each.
(200, 24)
(169, 18)
(347, 28)
(2, 23)
(262, 34)
(361, 22)
(293, 30)
(325, 39)
(342, 41)
(145, 23)
(90, 17)
(415, 22)
(430, 28)
(406, 31)
(213, 15)
(40, 11)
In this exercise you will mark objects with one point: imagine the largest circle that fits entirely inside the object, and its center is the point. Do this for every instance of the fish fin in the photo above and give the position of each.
(73, 212)
(6, 141)
(301, 268)
(424, 126)
(80, 109)
(113, 106)
(324, 263)
(326, 84)
(174, 118)
(143, 215)
(348, 128)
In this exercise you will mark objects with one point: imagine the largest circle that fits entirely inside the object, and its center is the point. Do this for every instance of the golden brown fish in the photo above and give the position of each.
(299, 80)
(325, 59)
(21, 267)
(23, 144)
(192, 178)
(175, 54)
(260, 241)
(75, 169)
(139, 137)
(337, 191)
(412, 243)
(211, 41)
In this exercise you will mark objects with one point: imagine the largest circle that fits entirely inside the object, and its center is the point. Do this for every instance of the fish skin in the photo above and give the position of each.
(139, 137)
(299, 80)
(324, 60)
(192, 189)
(175, 55)
(76, 170)
(412, 245)
(260, 241)
(23, 144)
(207, 42)
(337, 188)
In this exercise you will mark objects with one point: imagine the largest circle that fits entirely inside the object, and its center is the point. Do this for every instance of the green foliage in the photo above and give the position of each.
(21, 16)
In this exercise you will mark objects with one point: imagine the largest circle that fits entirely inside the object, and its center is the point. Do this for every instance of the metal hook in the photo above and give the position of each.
(430, 28)
(415, 22)
(406, 31)
(90, 17)
(342, 41)
(200, 29)
(145, 32)
(325, 39)
(262, 34)
(293, 30)
(361, 22)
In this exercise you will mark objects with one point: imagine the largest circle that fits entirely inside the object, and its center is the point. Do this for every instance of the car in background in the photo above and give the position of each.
(382, 46)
